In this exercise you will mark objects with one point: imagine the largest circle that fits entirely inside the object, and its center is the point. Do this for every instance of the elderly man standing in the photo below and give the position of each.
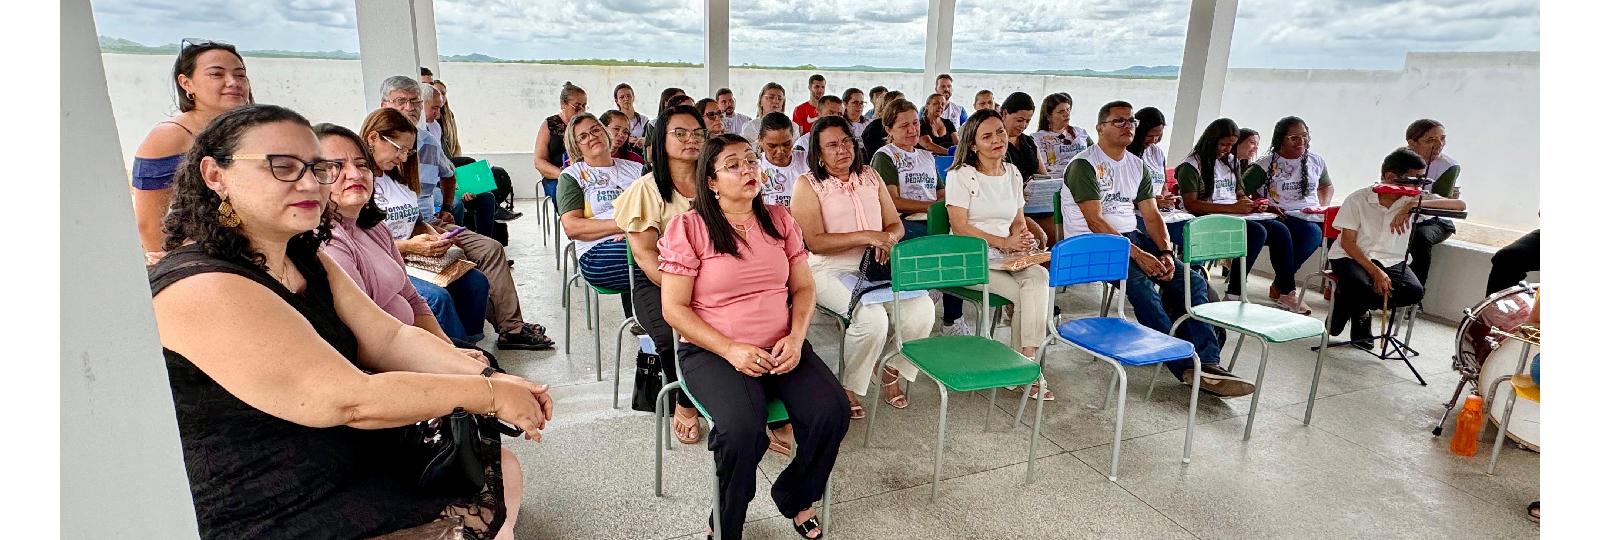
(434, 170)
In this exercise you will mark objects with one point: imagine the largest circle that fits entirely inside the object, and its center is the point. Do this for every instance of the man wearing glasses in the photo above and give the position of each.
(1113, 190)
(435, 172)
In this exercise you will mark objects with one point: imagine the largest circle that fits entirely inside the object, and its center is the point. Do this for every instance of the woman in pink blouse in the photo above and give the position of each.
(735, 285)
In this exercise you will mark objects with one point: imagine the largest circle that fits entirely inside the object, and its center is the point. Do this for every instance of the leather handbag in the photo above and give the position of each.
(646, 382)
(455, 449)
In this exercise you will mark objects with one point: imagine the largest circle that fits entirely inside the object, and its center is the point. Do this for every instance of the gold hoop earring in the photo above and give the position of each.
(226, 216)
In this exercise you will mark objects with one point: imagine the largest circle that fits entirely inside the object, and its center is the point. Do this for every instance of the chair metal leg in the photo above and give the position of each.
(588, 308)
(565, 292)
(661, 428)
(1500, 437)
(1316, 377)
(827, 504)
(872, 405)
(1237, 346)
(1038, 420)
(1149, 390)
(988, 412)
(938, 449)
(1194, 404)
(1111, 389)
(1116, 433)
(1255, 397)
(599, 372)
(716, 503)
(1022, 401)
(616, 385)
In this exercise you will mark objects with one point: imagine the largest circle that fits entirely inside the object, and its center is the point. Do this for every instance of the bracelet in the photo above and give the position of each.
(492, 408)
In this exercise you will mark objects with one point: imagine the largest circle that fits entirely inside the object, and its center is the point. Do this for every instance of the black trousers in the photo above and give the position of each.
(1355, 295)
(1430, 232)
(817, 408)
(647, 309)
(1512, 263)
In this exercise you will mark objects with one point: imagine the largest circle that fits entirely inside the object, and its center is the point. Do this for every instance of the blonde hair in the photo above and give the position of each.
(571, 136)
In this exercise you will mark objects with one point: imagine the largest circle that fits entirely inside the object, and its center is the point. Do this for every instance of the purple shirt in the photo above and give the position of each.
(372, 260)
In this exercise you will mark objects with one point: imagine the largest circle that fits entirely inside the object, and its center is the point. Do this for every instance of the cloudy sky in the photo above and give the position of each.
(989, 34)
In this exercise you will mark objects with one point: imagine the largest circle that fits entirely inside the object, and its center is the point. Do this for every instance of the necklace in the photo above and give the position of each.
(282, 275)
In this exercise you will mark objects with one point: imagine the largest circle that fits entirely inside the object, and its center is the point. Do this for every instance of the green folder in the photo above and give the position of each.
(474, 178)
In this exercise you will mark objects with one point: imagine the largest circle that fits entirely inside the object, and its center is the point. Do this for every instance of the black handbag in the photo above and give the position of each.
(646, 382)
(870, 270)
(455, 448)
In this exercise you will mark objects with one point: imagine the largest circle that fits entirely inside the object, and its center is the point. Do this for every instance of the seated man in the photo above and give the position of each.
(1113, 189)
(1369, 259)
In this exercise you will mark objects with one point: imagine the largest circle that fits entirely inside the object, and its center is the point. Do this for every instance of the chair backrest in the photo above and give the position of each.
(1089, 258)
(938, 218)
(941, 165)
(1213, 237)
(932, 262)
(1329, 232)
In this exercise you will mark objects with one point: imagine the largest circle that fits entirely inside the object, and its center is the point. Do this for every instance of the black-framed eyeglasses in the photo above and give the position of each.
(358, 163)
(289, 168)
(400, 102)
(683, 135)
(197, 42)
(1122, 123)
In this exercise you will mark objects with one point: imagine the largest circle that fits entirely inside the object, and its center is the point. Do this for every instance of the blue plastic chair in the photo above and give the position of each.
(1103, 258)
(941, 165)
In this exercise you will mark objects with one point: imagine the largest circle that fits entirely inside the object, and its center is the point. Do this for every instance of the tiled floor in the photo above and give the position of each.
(1366, 467)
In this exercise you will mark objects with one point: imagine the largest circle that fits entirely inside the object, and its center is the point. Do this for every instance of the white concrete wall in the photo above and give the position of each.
(1488, 101)
(122, 472)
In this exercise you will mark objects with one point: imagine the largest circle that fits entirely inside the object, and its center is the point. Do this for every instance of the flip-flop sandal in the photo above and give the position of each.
(900, 401)
(777, 445)
(693, 431)
(1033, 393)
(857, 412)
(805, 528)
(1533, 511)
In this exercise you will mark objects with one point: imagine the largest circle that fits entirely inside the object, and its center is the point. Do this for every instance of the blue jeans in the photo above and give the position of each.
(1304, 237)
(460, 308)
(953, 305)
(1145, 293)
(483, 208)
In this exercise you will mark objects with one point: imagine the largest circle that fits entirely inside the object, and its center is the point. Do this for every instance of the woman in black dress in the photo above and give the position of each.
(291, 386)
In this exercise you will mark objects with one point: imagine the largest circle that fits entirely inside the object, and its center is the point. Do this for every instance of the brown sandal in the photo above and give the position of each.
(901, 401)
(690, 435)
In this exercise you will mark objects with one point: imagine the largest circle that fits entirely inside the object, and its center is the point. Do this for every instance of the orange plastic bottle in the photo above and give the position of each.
(1468, 424)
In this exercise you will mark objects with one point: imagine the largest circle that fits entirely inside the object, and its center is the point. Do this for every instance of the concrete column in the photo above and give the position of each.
(716, 31)
(1205, 68)
(941, 32)
(122, 473)
(388, 34)
(427, 36)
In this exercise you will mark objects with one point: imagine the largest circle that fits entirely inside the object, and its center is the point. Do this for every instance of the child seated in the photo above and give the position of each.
(1369, 259)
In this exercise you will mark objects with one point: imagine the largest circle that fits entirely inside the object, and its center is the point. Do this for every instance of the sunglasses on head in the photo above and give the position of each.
(197, 42)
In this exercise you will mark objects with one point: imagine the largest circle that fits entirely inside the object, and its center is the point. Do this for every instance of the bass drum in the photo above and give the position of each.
(1484, 353)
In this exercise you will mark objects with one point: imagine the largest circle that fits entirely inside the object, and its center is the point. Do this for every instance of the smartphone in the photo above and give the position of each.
(454, 233)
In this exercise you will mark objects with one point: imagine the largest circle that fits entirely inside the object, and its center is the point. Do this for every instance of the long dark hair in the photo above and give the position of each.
(1050, 103)
(666, 95)
(1280, 131)
(723, 239)
(188, 57)
(1245, 133)
(965, 155)
(814, 147)
(1149, 118)
(660, 163)
(194, 206)
(370, 215)
(1205, 152)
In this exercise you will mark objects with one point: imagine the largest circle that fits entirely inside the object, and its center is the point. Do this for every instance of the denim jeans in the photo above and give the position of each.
(1304, 237)
(483, 207)
(460, 308)
(1146, 293)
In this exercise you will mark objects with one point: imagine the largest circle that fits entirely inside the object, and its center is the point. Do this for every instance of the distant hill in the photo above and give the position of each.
(110, 44)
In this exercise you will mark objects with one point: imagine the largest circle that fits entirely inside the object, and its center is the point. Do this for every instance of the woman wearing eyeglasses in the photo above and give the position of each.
(642, 212)
(549, 148)
(391, 135)
(1295, 179)
(209, 78)
(584, 198)
(292, 392)
(844, 208)
(735, 284)
(771, 101)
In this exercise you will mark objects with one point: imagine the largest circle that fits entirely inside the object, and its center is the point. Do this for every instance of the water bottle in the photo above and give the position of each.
(1468, 424)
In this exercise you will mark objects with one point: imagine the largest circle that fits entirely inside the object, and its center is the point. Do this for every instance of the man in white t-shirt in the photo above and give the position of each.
(1369, 260)
(1113, 189)
(732, 121)
(953, 111)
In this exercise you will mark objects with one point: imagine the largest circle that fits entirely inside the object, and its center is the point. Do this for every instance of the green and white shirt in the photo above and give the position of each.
(913, 171)
(594, 190)
(1119, 185)
(1288, 187)
(1226, 182)
(777, 184)
(1056, 150)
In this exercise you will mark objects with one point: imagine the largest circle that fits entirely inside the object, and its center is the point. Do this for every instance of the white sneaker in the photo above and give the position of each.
(1291, 302)
(959, 328)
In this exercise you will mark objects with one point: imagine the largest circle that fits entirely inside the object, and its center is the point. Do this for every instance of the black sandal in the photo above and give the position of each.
(1533, 511)
(529, 338)
(804, 528)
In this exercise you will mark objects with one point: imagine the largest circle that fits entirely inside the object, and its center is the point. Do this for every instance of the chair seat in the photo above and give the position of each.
(831, 313)
(776, 412)
(1272, 324)
(968, 363)
(1125, 341)
(602, 290)
(970, 295)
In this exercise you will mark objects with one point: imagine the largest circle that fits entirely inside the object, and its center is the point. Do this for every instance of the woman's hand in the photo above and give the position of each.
(522, 403)
(786, 353)
(1242, 206)
(749, 359)
(424, 244)
(475, 355)
(1014, 243)
(883, 242)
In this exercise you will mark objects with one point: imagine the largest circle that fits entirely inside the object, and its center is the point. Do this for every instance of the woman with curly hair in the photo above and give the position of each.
(289, 383)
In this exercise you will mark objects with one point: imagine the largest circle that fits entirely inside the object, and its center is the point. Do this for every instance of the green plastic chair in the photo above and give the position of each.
(1216, 237)
(1106, 290)
(776, 412)
(939, 223)
(591, 312)
(959, 363)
